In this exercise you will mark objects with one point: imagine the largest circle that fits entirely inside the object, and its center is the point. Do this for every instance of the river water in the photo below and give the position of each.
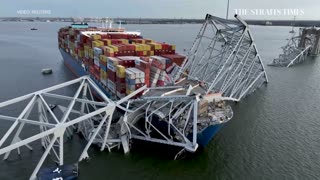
(274, 133)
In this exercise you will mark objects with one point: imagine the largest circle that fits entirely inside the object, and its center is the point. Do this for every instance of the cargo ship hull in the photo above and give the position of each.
(203, 137)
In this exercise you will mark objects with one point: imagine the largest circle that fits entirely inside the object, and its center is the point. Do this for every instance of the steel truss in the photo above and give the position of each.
(53, 130)
(167, 115)
(225, 59)
(177, 113)
(298, 48)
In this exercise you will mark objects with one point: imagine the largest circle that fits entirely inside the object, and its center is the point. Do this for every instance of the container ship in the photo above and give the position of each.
(120, 62)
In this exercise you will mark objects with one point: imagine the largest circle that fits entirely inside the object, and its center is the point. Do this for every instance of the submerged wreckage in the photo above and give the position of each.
(298, 47)
(223, 64)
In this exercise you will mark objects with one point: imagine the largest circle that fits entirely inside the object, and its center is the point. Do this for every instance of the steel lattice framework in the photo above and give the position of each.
(225, 59)
(298, 47)
(291, 53)
(83, 112)
(168, 115)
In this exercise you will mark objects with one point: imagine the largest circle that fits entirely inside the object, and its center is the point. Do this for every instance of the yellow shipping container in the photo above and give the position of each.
(143, 41)
(128, 91)
(103, 58)
(157, 46)
(81, 53)
(144, 53)
(97, 43)
(139, 47)
(107, 42)
(121, 71)
(151, 53)
(173, 47)
(91, 53)
(96, 37)
(109, 49)
(115, 48)
(147, 47)
(103, 74)
(150, 40)
(124, 41)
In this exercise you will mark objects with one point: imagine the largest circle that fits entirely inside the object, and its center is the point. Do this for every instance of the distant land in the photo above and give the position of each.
(299, 23)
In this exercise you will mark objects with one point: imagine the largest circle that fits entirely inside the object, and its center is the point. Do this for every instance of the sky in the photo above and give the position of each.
(250, 9)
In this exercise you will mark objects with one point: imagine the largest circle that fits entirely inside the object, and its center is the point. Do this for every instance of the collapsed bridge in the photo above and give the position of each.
(299, 47)
(223, 64)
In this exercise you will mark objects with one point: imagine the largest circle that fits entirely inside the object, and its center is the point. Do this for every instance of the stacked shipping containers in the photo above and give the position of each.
(121, 62)
(135, 79)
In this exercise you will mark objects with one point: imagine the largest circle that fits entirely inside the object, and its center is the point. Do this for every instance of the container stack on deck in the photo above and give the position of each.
(120, 62)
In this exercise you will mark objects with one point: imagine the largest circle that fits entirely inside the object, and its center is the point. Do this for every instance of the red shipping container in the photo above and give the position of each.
(165, 46)
(137, 86)
(96, 68)
(88, 61)
(97, 76)
(104, 36)
(139, 53)
(91, 70)
(157, 64)
(112, 75)
(109, 54)
(160, 83)
(130, 47)
(115, 41)
(175, 58)
(120, 80)
(121, 88)
(126, 61)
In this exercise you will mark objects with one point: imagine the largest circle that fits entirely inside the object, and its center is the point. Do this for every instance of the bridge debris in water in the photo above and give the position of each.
(299, 47)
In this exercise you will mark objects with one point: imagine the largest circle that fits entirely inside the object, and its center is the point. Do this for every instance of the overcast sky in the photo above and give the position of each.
(309, 9)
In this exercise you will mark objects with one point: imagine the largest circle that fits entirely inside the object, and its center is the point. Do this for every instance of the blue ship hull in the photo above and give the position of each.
(203, 137)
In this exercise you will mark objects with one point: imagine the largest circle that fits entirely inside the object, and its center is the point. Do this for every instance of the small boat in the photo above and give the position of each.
(46, 71)
(33, 29)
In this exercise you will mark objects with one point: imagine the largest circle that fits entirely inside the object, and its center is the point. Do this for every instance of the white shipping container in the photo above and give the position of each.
(111, 86)
(130, 74)
(97, 51)
(111, 67)
(104, 82)
(137, 72)
(96, 61)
